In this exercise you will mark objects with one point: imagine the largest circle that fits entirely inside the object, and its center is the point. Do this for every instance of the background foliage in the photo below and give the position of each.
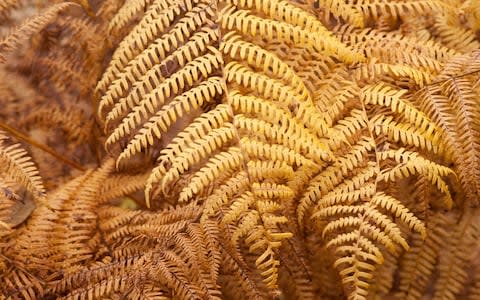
(196, 149)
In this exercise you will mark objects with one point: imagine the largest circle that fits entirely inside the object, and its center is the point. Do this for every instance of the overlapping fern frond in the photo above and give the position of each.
(211, 71)
(233, 107)
(295, 149)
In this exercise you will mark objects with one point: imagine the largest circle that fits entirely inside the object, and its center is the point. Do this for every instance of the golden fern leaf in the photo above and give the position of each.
(104, 272)
(141, 83)
(201, 126)
(210, 91)
(163, 119)
(287, 148)
(428, 56)
(79, 247)
(384, 277)
(126, 14)
(219, 165)
(149, 26)
(344, 10)
(406, 134)
(356, 211)
(37, 235)
(410, 163)
(185, 78)
(427, 260)
(146, 104)
(121, 185)
(386, 96)
(382, 71)
(131, 230)
(377, 8)
(455, 37)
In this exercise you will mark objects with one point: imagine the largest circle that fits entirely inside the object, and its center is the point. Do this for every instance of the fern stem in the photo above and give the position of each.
(40, 146)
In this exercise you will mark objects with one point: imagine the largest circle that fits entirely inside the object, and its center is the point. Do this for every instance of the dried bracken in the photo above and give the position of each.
(240, 149)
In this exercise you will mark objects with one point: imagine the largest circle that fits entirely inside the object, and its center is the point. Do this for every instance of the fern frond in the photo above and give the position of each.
(397, 71)
(377, 8)
(266, 123)
(158, 17)
(288, 33)
(126, 13)
(344, 10)
(120, 186)
(8, 5)
(201, 126)
(410, 163)
(287, 133)
(455, 37)
(165, 117)
(203, 65)
(141, 72)
(222, 195)
(272, 190)
(18, 165)
(103, 278)
(464, 103)
(427, 56)
(64, 248)
(200, 150)
(28, 28)
(269, 169)
(261, 150)
(452, 266)
(347, 128)
(391, 98)
(400, 211)
(125, 228)
(333, 175)
(270, 88)
(406, 134)
(370, 37)
(258, 57)
(19, 283)
(220, 164)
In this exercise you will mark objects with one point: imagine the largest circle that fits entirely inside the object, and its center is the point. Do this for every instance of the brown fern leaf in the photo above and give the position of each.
(66, 119)
(7, 6)
(45, 230)
(29, 27)
(287, 149)
(18, 166)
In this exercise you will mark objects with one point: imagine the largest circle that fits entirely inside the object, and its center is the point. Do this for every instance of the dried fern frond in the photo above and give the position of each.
(232, 149)
(29, 27)
(7, 6)
(264, 101)
(17, 165)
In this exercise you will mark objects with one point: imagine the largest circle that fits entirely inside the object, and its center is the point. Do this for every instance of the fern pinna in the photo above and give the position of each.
(286, 149)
